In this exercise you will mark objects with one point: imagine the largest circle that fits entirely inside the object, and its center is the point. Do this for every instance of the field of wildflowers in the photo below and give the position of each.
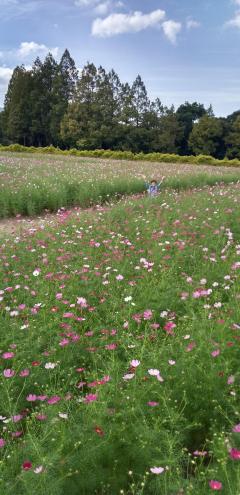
(120, 344)
(33, 183)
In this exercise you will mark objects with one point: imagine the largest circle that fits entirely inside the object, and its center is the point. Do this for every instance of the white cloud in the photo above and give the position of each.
(171, 30)
(102, 8)
(126, 23)
(235, 22)
(29, 49)
(191, 24)
(99, 7)
(5, 74)
(85, 3)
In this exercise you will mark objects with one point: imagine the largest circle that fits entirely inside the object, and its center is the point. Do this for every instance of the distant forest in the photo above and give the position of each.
(53, 104)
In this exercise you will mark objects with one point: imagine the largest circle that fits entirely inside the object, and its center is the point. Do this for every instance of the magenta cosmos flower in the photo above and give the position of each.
(235, 454)
(215, 485)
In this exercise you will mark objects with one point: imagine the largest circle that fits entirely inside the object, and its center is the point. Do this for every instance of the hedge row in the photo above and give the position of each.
(126, 155)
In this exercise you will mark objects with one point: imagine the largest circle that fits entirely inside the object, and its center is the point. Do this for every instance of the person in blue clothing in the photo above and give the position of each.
(153, 187)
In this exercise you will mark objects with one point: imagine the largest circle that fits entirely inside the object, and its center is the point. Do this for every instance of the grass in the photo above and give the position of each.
(31, 185)
(121, 330)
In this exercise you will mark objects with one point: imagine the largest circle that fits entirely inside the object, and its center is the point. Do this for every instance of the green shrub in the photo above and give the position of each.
(126, 155)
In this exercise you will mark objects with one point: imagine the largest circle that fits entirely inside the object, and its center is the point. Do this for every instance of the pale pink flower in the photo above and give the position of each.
(147, 315)
(154, 372)
(153, 404)
(82, 302)
(231, 380)
(31, 398)
(38, 469)
(8, 373)
(128, 376)
(2, 443)
(157, 470)
(215, 353)
(135, 363)
(119, 277)
(171, 362)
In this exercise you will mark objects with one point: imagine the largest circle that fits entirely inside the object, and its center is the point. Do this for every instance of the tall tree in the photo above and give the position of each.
(17, 108)
(140, 101)
(206, 136)
(188, 114)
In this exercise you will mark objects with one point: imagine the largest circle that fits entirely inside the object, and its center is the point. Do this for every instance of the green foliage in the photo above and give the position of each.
(206, 136)
(126, 155)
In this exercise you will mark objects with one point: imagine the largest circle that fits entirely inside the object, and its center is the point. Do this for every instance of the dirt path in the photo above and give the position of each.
(19, 225)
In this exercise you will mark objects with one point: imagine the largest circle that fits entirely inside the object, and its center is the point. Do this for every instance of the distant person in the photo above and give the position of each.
(153, 188)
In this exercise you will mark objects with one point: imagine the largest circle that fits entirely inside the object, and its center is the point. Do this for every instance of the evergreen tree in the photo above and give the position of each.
(17, 108)
(140, 101)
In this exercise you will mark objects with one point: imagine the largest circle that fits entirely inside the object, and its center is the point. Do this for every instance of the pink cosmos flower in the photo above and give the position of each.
(41, 417)
(119, 277)
(135, 363)
(68, 315)
(54, 399)
(153, 404)
(90, 398)
(24, 372)
(64, 342)
(215, 353)
(215, 485)
(31, 398)
(17, 434)
(154, 372)
(110, 347)
(8, 355)
(235, 454)
(128, 376)
(236, 428)
(2, 443)
(8, 373)
(157, 470)
(231, 380)
(169, 327)
(82, 302)
(147, 315)
(17, 418)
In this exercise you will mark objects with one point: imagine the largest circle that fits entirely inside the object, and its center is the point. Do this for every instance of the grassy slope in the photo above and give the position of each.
(93, 449)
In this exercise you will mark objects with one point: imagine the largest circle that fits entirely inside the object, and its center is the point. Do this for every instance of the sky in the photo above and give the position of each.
(185, 50)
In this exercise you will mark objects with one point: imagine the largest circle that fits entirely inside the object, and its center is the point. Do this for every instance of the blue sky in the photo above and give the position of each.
(184, 49)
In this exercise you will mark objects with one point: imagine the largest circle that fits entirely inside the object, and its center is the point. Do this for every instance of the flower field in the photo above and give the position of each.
(120, 345)
(33, 183)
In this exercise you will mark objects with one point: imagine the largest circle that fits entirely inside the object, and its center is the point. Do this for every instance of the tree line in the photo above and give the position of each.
(53, 104)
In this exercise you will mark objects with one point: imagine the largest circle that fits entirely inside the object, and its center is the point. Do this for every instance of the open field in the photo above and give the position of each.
(120, 348)
(31, 184)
